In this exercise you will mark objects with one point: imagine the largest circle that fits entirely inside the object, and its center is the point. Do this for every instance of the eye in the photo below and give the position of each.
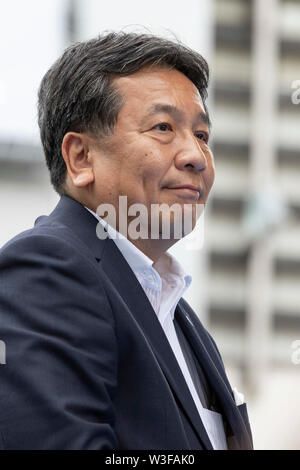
(202, 136)
(163, 127)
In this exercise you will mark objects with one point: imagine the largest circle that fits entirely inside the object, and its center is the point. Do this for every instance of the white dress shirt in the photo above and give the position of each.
(164, 283)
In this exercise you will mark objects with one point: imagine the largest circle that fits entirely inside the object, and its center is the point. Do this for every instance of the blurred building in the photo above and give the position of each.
(32, 34)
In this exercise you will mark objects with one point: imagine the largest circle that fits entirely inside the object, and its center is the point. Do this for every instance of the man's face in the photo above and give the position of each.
(160, 143)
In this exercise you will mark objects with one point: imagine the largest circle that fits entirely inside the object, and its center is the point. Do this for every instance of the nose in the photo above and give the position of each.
(190, 155)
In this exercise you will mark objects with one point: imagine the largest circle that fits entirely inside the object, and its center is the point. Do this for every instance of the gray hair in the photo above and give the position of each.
(77, 93)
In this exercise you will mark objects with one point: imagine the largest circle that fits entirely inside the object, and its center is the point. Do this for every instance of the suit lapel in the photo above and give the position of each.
(124, 280)
(211, 363)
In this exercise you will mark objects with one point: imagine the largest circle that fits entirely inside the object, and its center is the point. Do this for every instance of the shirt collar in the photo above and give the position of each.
(141, 264)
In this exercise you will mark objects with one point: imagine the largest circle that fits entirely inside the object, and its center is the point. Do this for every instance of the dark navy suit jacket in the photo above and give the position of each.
(88, 365)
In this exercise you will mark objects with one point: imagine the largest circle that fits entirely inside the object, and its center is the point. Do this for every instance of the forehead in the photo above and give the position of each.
(156, 84)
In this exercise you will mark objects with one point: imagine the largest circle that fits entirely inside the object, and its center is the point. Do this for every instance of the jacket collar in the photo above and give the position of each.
(80, 223)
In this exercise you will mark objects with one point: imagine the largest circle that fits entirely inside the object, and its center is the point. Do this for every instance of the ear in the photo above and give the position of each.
(75, 151)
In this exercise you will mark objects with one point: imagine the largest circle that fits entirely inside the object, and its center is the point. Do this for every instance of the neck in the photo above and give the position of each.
(154, 249)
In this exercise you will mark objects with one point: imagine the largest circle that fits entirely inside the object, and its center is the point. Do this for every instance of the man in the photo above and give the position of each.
(102, 352)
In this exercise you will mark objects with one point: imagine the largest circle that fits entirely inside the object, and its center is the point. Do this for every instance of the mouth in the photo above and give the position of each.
(187, 191)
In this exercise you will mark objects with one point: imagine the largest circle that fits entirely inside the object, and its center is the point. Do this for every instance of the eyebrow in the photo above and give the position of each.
(177, 114)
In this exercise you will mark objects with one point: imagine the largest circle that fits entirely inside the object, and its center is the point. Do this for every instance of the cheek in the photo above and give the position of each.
(145, 166)
(210, 177)
(153, 167)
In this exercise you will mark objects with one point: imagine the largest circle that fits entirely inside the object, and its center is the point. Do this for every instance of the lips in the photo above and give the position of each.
(188, 190)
